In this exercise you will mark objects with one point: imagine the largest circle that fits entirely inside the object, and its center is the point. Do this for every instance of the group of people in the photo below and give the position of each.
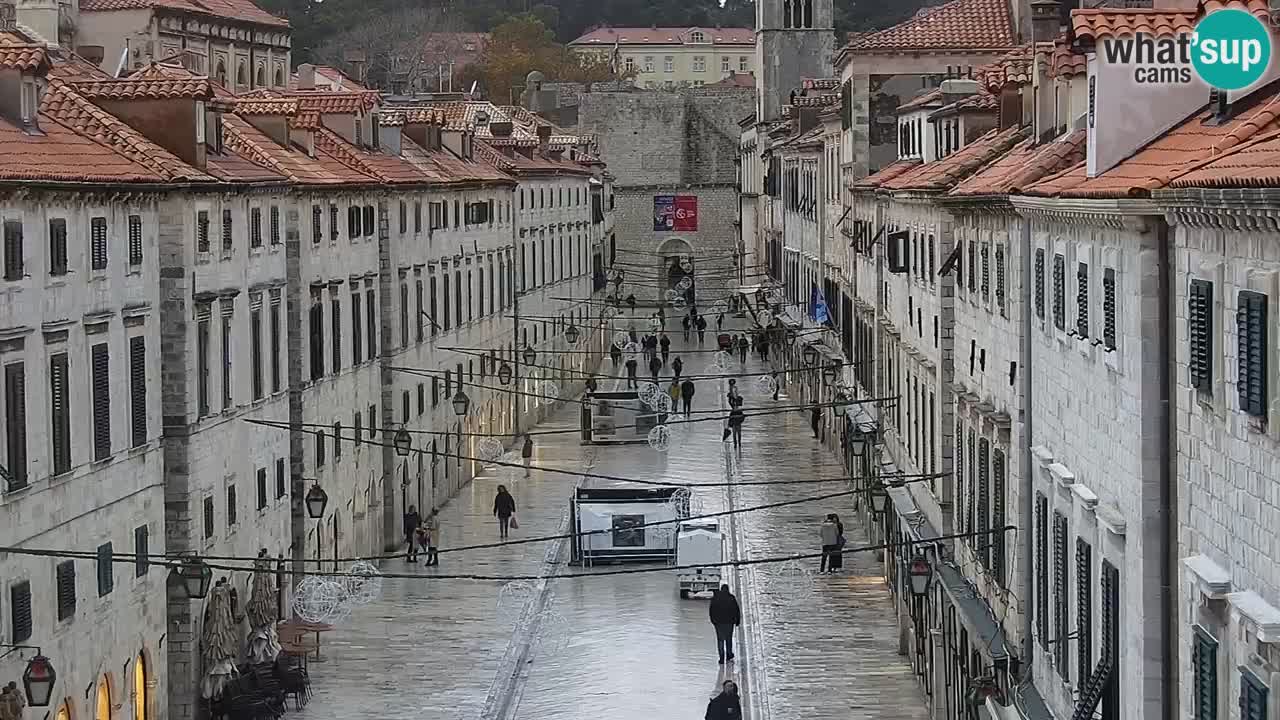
(694, 321)
(421, 534)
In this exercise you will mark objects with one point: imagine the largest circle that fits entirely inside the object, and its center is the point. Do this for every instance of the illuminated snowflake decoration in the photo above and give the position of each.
(621, 339)
(364, 582)
(662, 404)
(321, 600)
(549, 390)
(647, 392)
(684, 284)
(554, 633)
(489, 449)
(720, 307)
(679, 303)
(609, 313)
(512, 466)
(514, 596)
(720, 362)
(659, 438)
(632, 351)
(764, 318)
(680, 501)
(792, 580)
(766, 385)
(671, 295)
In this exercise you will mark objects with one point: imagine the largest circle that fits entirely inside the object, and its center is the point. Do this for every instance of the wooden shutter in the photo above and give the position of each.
(404, 217)
(281, 485)
(1251, 328)
(333, 223)
(370, 224)
(371, 324)
(1253, 697)
(986, 271)
(262, 487)
(1059, 292)
(13, 260)
(1204, 675)
(208, 518)
(275, 224)
(15, 414)
(1109, 308)
(58, 246)
(998, 516)
(255, 227)
(141, 542)
(1000, 276)
(100, 368)
(232, 505)
(138, 390)
(60, 414)
(983, 540)
(98, 243)
(317, 234)
(1041, 569)
(202, 231)
(317, 339)
(135, 239)
(1200, 334)
(1061, 643)
(357, 332)
(106, 571)
(1039, 286)
(66, 585)
(1084, 611)
(1082, 300)
(353, 222)
(226, 230)
(962, 493)
(335, 322)
(20, 611)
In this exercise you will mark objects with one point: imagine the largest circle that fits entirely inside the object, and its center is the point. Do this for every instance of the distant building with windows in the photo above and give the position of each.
(669, 58)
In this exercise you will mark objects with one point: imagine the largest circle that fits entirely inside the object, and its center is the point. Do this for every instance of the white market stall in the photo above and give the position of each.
(615, 518)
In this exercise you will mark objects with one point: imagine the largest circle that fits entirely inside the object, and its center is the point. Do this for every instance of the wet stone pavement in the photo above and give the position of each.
(626, 646)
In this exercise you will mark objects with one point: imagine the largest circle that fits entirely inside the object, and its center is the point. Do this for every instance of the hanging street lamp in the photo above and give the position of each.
(810, 355)
(504, 373)
(631, 301)
(829, 372)
(38, 680)
(403, 442)
(193, 575)
(920, 572)
(879, 501)
(316, 501)
(571, 334)
(529, 355)
(461, 403)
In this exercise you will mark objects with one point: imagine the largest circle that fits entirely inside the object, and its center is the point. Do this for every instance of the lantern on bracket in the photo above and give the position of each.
(39, 679)
(403, 442)
(316, 501)
(920, 572)
(461, 403)
(529, 355)
(504, 373)
(571, 334)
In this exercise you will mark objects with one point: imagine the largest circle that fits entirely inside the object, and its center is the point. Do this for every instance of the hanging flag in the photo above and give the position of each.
(818, 308)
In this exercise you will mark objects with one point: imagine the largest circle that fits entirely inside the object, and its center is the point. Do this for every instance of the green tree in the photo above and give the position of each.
(522, 44)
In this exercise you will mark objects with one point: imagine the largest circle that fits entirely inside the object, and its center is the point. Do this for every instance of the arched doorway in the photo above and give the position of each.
(678, 263)
(102, 709)
(140, 688)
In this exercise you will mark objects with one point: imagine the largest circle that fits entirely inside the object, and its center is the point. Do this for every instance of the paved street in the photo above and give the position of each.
(627, 646)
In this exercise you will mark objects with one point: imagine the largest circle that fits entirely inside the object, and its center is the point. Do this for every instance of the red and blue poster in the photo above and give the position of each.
(675, 213)
(664, 213)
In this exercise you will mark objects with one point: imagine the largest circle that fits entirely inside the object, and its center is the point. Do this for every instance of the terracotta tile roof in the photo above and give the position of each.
(445, 167)
(1094, 24)
(1187, 147)
(1065, 62)
(956, 25)
(64, 104)
(1024, 164)
(73, 67)
(607, 36)
(266, 106)
(150, 89)
(1254, 164)
(60, 154)
(243, 10)
(24, 57)
(335, 103)
(949, 171)
(231, 166)
(292, 162)
(982, 102)
(382, 167)
(933, 97)
(1014, 67)
(736, 80)
(305, 121)
(885, 174)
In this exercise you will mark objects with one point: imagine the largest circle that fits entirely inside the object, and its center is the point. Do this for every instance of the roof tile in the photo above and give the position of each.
(946, 173)
(60, 154)
(25, 57)
(959, 24)
(149, 89)
(885, 174)
(243, 10)
(1024, 164)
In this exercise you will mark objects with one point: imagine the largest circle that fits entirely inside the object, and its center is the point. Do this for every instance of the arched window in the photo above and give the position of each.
(102, 709)
(797, 12)
(786, 13)
(242, 76)
(808, 13)
(221, 73)
(697, 37)
(260, 77)
(279, 79)
(140, 688)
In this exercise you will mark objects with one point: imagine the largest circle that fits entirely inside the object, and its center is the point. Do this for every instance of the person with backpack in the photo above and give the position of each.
(736, 418)
(655, 367)
(504, 508)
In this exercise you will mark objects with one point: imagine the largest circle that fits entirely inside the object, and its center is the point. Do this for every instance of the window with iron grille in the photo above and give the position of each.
(141, 543)
(1042, 569)
(20, 611)
(255, 227)
(106, 571)
(262, 488)
(1253, 697)
(316, 214)
(100, 373)
(13, 261)
(232, 505)
(371, 324)
(135, 240)
(1060, 617)
(983, 539)
(202, 231)
(58, 246)
(226, 231)
(60, 413)
(335, 322)
(1084, 611)
(997, 516)
(1059, 292)
(98, 243)
(208, 518)
(275, 224)
(1251, 328)
(138, 390)
(317, 338)
(65, 576)
(1082, 300)
(15, 416)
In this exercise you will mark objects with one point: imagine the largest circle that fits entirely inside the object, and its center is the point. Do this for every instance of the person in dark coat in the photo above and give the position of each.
(686, 323)
(504, 506)
(526, 453)
(615, 354)
(727, 705)
(655, 367)
(726, 615)
(411, 522)
(665, 343)
(743, 345)
(702, 328)
(677, 366)
(686, 395)
(815, 416)
(631, 372)
(736, 418)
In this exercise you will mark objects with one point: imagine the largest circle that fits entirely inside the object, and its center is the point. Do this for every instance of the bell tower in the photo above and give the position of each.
(795, 39)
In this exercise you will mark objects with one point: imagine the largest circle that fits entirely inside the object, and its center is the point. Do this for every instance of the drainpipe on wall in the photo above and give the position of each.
(1027, 503)
(1168, 472)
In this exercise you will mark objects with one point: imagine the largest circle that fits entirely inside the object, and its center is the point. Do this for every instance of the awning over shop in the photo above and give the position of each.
(973, 612)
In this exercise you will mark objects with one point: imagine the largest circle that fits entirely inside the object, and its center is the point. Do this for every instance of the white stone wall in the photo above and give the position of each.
(97, 502)
(1228, 497)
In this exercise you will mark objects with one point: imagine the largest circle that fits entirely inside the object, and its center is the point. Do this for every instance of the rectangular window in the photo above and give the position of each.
(98, 243)
(986, 271)
(316, 214)
(335, 322)
(141, 543)
(405, 406)
(60, 413)
(208, 518)
(106, 573)
(418, 319)
(282, 487)
(226, 231)
(1253, 697)
(983, 540)
(138, 390)
(373, 414)
(1251, 329)
(1059, 292)
(357, 329)
(333, 223)
(317, 338)
(203, 341)
(255, 227)
(431, 281)
(404, 217)
(1204, 675)
(997, 540)
(1039, 283)
(202, 231)
(13, 261)
(404, 314)
(742, 63)
(370, 224)
(371, 327)
(275, 224)
(1084, 612)
(422, 398)
(1060, 617)
(1082, 300)
(353, 222)
(232, 505)
(15, 417)
(66, 585)
(1109, 309)
(417, 216)
(359, 428)
(227, 388)
(448, 311)
(255, 351)
(100, 371)
(58, 246)
(262, 488)
(457, 295)
(20, 611)
(275, 346)
(337, 441)
(135, 240)
(1041, 569)
(1000, 276)
(435, 392)
(1200, 334)
(973, 266)
(669, 64)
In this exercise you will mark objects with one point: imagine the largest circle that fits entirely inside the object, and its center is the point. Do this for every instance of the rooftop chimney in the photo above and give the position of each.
(355, 59)
(544, 137)
(40, 17)
(953, 90)
(306, 76)
(1044, 20)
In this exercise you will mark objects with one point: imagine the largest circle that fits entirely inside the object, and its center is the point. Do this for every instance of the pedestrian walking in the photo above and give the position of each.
(674, 392)
(829, 532)
(665, 343)
(734, 397)
(777, 385)
(526, 453)
(743, 345)
(677, 366)
(615, 354)
(655, 322)
(685, 323)
(432, 527)
(662, 317)
(702, 329)
(411, 522)
(719, 322)
(815, 416)
(726, 615)
(686, 395)
(631, 372)
(736, 418)
(655, 367)
(727, 705)
(764, 348)
(504, 508)
(837, 555)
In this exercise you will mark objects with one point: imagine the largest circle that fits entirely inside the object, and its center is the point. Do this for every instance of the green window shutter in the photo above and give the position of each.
(1204, 674)
(1200, 334)
(1251, 326)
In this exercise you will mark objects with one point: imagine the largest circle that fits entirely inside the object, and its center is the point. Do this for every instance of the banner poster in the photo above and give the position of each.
(686, 213)
(664, 213)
